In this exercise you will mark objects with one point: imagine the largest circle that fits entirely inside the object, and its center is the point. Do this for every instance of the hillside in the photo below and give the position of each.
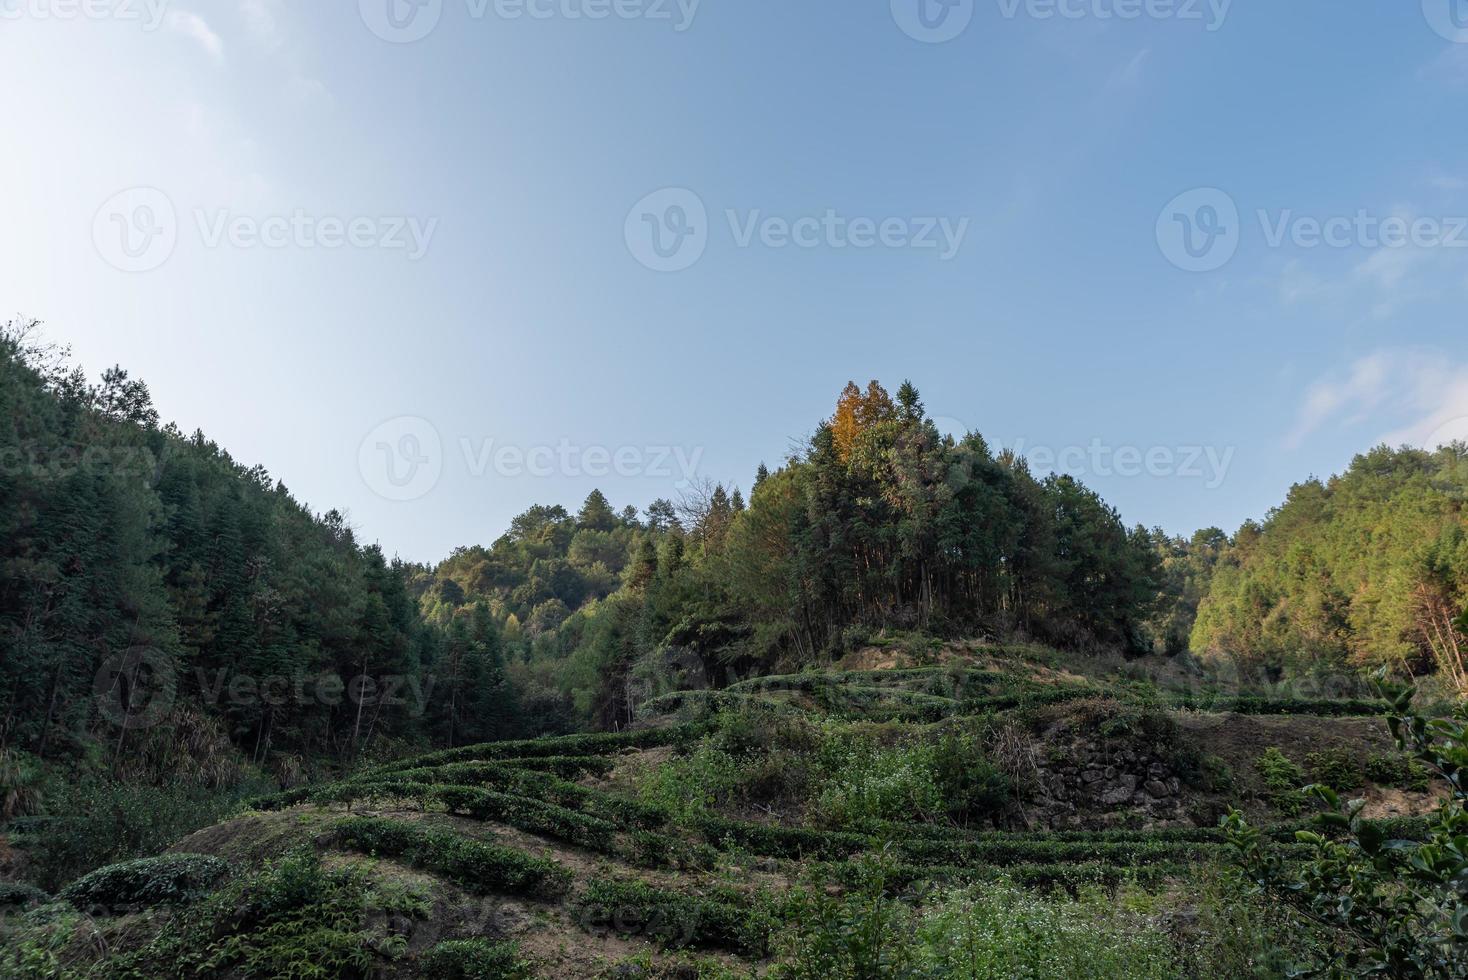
(907, 710)
(930, 805)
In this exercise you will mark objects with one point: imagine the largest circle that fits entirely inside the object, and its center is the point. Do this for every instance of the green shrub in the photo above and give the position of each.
(997, 930)
(632, 908)
(1338, 768)
(772, 840)
(1021, 850)
(759, 730)
(474, 959)
(565, 766)
(144, 882)
(1279, 773)
(1282, 781)
(520, 812)
(865, 933)
(596, 743)
(90, 821)
(688, 787)
(1388, 907)
(658, 851)
(476, 866)
(867, 783)
(540, 786)
(17, 895)
(972, 786)
(293, 920)
(1401, 771)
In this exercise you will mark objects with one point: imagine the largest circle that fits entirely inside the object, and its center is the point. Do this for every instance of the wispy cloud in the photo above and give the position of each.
(195, 27)
(1400, 397)
(261, 21)
(310, 93)
(1130, 73)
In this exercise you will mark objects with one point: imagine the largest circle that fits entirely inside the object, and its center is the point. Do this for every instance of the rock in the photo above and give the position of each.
(1119, 791)
(1157, 788)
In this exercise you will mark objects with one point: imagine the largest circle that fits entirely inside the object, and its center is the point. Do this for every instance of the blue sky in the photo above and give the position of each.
(456, 316)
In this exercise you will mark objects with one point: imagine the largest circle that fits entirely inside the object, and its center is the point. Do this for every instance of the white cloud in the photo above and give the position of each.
(194, 26)
(1381, 279)
(1402, 397)
(310, 93)
(260, 20)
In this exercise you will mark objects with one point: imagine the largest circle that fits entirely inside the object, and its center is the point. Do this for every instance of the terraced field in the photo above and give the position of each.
(616, 854)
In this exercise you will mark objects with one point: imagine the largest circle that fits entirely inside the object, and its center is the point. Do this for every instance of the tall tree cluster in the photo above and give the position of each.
(879, 522)
(1364, 569)
(145, 570)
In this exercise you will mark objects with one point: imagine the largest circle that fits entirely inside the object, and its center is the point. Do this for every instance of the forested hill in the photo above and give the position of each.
(1368, 568)
(879, 523)
(145, 571)
(142, 569)
(156, 594)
